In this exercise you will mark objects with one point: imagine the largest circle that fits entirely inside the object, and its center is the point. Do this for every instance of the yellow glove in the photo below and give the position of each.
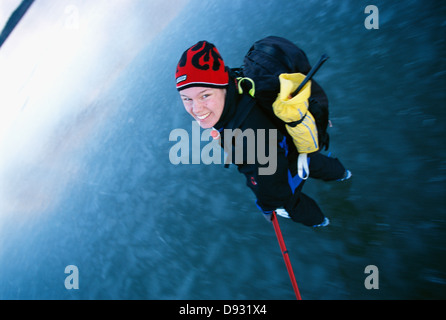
(292, 109)
(295, 109)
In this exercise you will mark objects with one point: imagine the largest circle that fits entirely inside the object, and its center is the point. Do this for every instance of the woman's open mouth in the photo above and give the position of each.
(203, 116)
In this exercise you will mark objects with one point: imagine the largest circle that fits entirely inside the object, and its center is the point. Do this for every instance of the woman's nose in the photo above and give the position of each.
(197, 106)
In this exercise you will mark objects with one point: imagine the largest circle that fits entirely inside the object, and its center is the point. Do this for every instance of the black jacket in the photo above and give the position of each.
(282, 189)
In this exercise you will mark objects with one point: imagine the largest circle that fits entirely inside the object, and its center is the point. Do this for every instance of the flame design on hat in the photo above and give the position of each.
(201, 65)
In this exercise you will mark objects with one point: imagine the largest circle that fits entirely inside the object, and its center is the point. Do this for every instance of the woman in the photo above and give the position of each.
(214, 97)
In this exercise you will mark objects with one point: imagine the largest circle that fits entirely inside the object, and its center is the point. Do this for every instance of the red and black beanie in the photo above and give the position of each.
(201, 65)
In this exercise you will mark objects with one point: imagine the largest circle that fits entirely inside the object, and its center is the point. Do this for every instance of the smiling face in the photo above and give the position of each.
(204, 104)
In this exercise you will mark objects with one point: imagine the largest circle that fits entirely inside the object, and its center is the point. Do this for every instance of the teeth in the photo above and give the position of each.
(203, 116)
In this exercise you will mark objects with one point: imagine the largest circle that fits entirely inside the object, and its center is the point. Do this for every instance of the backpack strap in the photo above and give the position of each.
(246, 103)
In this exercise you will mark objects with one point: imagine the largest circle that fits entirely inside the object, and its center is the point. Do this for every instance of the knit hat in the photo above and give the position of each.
(201, 65)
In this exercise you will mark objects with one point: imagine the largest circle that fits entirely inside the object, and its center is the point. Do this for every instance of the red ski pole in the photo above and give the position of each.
(285, 255)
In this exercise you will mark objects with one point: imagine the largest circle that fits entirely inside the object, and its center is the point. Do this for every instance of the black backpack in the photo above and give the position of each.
(265, 61)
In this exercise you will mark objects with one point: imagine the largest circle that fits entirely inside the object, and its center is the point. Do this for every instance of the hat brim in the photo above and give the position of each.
(202, 84)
